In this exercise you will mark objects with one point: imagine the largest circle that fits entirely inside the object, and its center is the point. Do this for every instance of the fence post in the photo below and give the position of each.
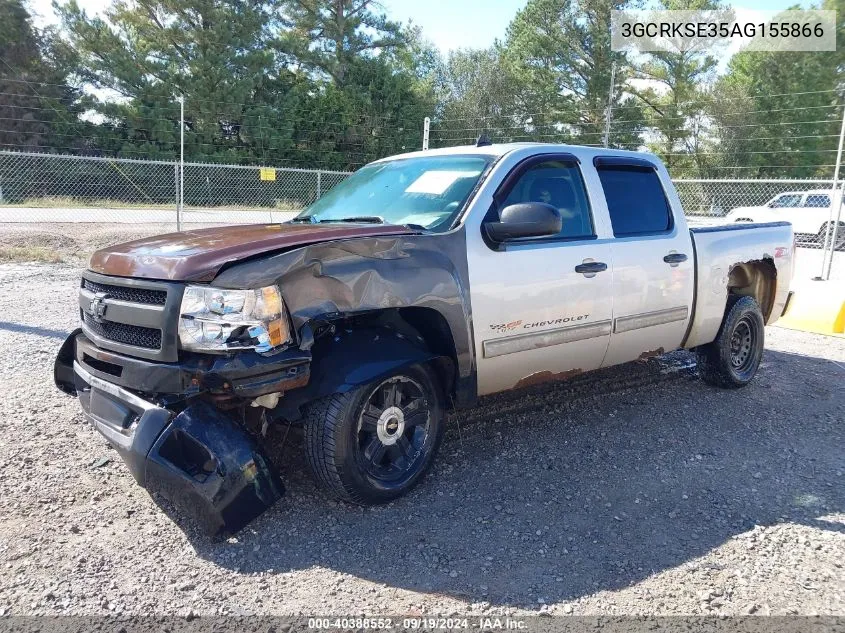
(176, 189)
(835, 202)
(426, 130)
(609, 112)
(181, 205)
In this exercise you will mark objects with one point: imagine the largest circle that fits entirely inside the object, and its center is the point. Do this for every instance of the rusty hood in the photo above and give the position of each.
(198, 255)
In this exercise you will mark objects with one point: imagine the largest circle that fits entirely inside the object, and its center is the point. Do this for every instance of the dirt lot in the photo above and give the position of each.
(633, 491)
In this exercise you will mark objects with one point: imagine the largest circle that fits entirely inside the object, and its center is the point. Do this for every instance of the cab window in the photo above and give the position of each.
(559, 184)
(635, 199)
(787, 200)
(817, 201)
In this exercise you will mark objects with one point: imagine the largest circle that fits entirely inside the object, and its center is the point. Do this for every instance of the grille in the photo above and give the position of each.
(148, 338)
(125, 293)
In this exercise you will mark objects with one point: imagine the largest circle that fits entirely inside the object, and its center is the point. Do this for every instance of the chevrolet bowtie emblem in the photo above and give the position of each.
(98, 306)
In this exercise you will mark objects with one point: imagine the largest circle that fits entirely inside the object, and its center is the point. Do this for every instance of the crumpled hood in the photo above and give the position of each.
(198, 255)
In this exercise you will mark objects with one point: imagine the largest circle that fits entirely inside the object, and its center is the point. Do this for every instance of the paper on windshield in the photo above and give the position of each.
(436, 182)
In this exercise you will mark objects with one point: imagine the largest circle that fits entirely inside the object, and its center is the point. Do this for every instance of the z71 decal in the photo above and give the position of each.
(513, 325)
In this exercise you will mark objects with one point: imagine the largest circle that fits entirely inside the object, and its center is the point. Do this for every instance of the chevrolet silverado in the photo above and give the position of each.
(417, 285)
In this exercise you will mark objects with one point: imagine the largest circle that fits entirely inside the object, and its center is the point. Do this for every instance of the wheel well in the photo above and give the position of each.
(425, 327)
(824, 226)
(755, 279)
(434, 330)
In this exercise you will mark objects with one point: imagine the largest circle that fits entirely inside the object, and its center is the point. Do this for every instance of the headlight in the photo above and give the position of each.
(216, 319)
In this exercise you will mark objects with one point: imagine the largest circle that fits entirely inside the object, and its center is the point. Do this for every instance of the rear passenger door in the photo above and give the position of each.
(653, 262)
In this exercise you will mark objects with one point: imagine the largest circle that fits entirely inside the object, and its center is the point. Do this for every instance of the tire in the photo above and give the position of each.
(731, 361)
(840, 235)
(370, 446)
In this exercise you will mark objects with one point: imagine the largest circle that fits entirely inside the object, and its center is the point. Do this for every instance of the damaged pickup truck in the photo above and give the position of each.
(417, 285)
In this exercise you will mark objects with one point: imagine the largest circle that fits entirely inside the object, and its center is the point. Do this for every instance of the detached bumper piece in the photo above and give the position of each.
(199, 459)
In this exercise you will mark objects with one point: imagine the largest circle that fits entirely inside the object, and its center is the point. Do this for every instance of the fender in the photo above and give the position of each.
(358, 276)
(350, 358)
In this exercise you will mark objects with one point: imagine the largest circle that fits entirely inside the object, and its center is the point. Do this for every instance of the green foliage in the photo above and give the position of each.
(335, 84)
(37, 110)
(475, 95)
(293, 82)
(559, 52)
(777, 111)
(676, 84)
(330, 36)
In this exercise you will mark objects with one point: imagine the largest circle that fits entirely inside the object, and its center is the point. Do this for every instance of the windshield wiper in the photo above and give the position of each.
(364, 219)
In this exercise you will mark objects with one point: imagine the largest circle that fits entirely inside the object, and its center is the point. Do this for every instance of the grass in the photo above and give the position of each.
(51, 202)
(29, 254)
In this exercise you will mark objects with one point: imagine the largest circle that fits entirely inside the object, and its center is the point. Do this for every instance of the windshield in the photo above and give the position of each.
(427, 191)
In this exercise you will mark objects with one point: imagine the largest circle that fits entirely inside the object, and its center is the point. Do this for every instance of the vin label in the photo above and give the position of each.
(734, 28)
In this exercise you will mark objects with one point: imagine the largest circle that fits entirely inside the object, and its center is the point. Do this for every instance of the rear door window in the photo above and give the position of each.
(635, 200)
(817, 201)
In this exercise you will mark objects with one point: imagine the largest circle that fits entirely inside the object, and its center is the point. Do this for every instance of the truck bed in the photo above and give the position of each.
(718, 249)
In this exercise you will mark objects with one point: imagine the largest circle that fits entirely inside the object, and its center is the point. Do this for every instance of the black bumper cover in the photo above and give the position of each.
(199, 458)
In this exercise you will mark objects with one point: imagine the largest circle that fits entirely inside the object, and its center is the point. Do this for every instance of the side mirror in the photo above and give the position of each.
(526, 219)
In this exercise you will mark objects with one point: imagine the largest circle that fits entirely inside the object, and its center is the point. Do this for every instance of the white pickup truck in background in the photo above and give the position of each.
(809, 213)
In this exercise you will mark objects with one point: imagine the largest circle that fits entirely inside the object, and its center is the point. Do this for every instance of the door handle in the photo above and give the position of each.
(591, 268)
(675, 258)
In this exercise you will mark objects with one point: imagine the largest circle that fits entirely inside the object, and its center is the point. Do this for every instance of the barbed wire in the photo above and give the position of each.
(272, 133)
(625, 106)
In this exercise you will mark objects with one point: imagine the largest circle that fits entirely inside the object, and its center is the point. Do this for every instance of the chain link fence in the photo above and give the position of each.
(58, 188)
(49, 188)
(805, 203)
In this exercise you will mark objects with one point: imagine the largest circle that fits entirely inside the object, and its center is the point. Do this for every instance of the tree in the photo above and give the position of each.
(559, 53)
(37, 110)
(297, 82)
(145, 53)
(674, 95)
(776, 114)
(475, 95)
(329, 36)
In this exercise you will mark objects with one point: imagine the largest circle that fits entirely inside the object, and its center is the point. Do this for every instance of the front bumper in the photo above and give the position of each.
(195, 455)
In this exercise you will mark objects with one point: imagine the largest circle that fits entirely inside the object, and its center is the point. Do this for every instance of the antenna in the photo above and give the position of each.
(483, 140)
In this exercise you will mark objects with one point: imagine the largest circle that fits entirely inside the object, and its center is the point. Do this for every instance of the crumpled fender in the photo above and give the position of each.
(332, 280)
(351, 358)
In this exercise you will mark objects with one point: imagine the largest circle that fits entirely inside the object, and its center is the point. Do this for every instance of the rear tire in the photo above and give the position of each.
(732, 359)
(840, 235)
(374, 443)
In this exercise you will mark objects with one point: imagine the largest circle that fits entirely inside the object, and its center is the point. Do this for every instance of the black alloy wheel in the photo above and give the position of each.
(372, 444)
(393, 427)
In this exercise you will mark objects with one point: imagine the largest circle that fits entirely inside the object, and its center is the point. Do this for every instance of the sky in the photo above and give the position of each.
(448, 24)
(453, 24)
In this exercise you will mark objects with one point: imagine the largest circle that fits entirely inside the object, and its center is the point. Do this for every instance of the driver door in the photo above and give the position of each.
(541, 307)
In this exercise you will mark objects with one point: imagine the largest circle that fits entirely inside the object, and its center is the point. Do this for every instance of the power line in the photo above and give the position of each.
(639, 106)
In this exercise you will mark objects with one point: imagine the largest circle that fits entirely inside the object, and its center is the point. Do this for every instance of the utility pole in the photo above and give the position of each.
(181, 205)
(609, 104)
(836, 201)
(426, 131)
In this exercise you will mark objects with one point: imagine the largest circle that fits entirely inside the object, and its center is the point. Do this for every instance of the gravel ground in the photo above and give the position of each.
(632, 491)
